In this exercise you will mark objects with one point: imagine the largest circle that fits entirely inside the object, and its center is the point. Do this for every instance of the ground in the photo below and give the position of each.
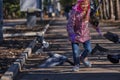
(59, 43)
(12, 47)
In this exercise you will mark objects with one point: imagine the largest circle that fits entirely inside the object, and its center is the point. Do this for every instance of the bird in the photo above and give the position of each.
(112, 37)
(113, 58)
(98, 48)
(55, 59)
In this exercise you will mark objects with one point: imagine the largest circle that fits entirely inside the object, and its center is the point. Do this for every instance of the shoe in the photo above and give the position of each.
(86, 62)
(76, 68)
(113, 58)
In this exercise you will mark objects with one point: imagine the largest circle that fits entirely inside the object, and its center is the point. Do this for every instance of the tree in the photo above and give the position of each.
(112, 16)
(107, 9)
(1, 20)
(11, 9)
(100, 11)
(104, 9)
(117, 9)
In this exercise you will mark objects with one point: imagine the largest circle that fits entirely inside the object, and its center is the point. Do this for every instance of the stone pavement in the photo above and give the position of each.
(101, 69)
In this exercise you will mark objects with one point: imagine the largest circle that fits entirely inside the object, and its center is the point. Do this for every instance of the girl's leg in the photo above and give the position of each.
(83, 57)
(76, 53)
(88, 49)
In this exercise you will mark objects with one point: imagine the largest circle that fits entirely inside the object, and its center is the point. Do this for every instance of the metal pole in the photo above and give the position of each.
(1, 20)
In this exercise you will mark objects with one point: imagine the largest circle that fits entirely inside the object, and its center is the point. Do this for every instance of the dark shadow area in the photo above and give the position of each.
(15, 44)
(69, 76)
(12, 23)
(58, 24)
(5, 63)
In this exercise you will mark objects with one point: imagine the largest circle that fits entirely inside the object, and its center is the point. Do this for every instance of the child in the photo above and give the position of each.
(78, 32)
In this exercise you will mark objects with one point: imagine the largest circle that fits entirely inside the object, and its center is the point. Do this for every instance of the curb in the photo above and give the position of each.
(14, 69)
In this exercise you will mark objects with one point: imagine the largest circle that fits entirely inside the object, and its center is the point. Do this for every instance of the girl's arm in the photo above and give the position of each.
(97, 28)
(70, 26)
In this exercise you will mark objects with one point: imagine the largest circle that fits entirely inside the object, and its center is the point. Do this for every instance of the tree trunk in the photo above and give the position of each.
(117, 11)
(104, 9)
(1, 21)
(101, 11)
(112, 16)
(107, 9)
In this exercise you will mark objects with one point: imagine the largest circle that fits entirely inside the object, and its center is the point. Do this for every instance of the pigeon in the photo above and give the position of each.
(113, 58)
(55, 60)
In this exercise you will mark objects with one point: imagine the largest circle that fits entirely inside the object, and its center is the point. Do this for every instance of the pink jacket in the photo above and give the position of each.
(77, 29)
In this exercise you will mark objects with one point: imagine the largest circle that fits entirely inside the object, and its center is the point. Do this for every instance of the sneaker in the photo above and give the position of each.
(87, 64)
(76, 68)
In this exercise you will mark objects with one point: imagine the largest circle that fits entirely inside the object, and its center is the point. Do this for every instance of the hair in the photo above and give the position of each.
(78, 8)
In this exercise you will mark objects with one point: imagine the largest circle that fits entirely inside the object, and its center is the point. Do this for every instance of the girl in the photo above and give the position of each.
(78, 32)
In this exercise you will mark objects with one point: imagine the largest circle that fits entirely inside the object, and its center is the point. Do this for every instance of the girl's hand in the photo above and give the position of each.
(72, 37)
(99, 31)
